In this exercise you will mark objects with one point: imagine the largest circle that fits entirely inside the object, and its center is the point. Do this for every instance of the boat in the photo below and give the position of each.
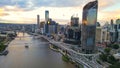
(5, 52)
(26, 46)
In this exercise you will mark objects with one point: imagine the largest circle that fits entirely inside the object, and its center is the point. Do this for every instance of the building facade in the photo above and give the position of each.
(38, 22)
(118, 29)
(98, 35)
(88, 30)
(46, 21)
(46, 16)
(74, 21)
(115, 31)
(51, 27)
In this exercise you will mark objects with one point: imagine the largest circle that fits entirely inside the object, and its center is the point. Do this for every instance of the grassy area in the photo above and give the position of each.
(80, 66)
(55, 47)
(2, 47)
(65, 58)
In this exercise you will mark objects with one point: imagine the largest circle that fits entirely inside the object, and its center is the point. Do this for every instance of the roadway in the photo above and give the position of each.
(76, 56)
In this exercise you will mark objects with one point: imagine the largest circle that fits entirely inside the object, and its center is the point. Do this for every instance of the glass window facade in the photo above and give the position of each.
(88, 30)
(90, 41)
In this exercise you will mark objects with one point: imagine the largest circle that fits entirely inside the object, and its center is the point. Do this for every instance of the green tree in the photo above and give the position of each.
(111, 59)
(115, 46)
(103, 57)
(109, 45)
(2, 46)
(116, 65)
(107, 50)
(65, 58)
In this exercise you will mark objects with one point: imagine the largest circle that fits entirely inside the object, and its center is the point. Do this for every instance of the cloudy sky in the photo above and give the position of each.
(25, 11)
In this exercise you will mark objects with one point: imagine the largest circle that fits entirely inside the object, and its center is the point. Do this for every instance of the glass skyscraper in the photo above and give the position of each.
(88, 30)
(46, 16)
(38, 22)
(46, 21)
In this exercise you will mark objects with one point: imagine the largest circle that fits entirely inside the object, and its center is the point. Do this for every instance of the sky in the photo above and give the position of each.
(25, 11)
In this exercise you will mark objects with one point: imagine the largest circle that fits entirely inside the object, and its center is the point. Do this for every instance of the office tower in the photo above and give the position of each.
(46, 21)
(112, 31)
(38, 22)
(118, 29)
(98, 34)
(88, 30)
(52, 27)
(46, 16)
(112, 24)
(74, 21)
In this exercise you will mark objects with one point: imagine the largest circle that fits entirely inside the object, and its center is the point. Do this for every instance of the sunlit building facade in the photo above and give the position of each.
(88, 30)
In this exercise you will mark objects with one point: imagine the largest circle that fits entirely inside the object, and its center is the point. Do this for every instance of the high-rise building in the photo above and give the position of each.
(46, 21)
(88, 30)
(98, 35)
(115, 31)
(105, 35)
(74, 21)
(46, 16)
(118, 29)
(52, 27)
(38, 22)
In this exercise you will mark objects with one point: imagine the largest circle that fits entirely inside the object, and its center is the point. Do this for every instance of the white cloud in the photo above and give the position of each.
(25, 11)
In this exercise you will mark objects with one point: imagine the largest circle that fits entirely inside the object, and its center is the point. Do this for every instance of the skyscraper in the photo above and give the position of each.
(46, 21)
(38, 22)
(74, 21)
(46, 16)
(88, 30)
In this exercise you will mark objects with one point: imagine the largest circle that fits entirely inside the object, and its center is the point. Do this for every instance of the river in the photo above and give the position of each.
(38, 55)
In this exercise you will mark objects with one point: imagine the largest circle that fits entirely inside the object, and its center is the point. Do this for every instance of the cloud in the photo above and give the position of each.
(12, 8)
(32, 4)
(25, 11)
(28, 4)
(106, 16)
(2, 13)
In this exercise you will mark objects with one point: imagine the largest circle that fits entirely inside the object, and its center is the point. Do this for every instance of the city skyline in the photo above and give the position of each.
(25, 11)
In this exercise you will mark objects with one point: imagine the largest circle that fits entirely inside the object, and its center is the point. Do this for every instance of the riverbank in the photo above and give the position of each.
(65, 57)
(53, 48)
(78, 65)
(3, 47)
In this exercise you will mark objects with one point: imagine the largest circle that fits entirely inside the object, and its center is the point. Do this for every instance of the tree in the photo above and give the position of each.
(103, 57)
(109, 45)
(107, 50)
(115, 46)
(116, 65)
(2, 46)
(111, 59)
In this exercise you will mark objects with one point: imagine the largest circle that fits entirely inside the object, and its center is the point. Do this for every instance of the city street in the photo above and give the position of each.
(37, 55)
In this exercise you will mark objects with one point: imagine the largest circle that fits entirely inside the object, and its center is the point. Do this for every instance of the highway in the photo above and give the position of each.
(78, 57)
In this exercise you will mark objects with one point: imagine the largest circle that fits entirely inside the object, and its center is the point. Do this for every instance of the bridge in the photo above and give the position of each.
(87, 60)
